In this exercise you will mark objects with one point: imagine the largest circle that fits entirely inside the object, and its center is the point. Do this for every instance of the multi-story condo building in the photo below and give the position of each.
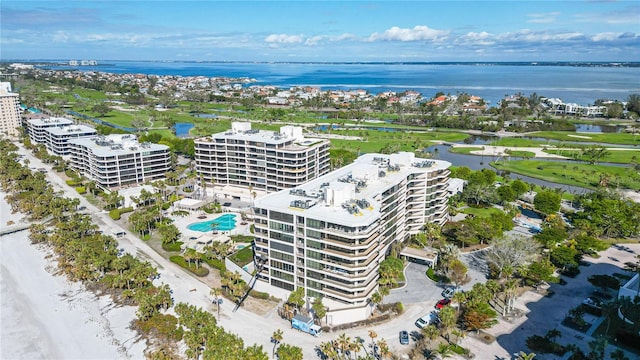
(55, 133)
(36, 128)
(266, 161)
(116, 160)
(10, 111)
(330, 234)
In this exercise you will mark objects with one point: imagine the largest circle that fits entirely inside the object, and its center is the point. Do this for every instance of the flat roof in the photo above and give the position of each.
(266, 136)
(366, 178)
(116, 144)
(50, 121)
(72, 129)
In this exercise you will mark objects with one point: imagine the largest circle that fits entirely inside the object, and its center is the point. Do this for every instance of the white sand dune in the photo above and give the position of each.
(45, 316)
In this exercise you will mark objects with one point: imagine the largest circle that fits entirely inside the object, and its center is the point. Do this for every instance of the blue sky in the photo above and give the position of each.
(321, 30)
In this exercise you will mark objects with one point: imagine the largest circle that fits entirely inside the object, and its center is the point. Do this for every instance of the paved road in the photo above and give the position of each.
(252, 328)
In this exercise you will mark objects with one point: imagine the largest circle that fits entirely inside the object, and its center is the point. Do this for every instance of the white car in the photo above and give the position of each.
(428, 319)
(448, 292)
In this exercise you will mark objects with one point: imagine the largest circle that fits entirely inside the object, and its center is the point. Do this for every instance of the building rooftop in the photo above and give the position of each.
(116, 144)
(242, 131)
(73, 129)
(349, 195)
(52, 121)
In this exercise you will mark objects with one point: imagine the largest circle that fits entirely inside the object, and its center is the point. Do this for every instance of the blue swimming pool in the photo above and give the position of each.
(222, 223)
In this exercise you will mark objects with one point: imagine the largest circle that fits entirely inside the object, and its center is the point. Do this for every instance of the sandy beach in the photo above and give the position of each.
(45, 316)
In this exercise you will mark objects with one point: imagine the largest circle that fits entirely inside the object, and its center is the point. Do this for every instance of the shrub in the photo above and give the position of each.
(214, 263)
(259, 295)
(571, 271)
(431, 274)
(164, 325)
(146, 237)
(126, 210)
(115, 214)
(81, 190)
(198, 271)
(399, 308)
(72, 182)
(459, 349)
(174, 246)
(166, 206)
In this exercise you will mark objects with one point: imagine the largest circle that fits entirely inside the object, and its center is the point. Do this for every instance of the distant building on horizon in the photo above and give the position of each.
(10, 111)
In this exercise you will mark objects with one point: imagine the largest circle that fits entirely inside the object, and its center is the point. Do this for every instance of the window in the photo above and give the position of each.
(275, 215)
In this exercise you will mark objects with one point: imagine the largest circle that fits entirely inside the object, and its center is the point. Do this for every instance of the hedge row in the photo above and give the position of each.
(198, 271)
(214, 263)
(81, 190)
(174, 246)
(115, 213)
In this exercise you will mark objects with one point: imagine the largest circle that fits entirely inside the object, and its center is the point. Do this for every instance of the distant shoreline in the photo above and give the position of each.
(107, 62)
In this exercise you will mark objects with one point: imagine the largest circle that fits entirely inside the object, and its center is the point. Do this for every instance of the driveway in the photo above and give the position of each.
(419, 289)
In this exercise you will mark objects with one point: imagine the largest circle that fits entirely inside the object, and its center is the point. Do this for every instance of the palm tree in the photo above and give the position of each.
(384, 348)
(373, 335)
(276, 338)
(430, 333)
(216, 292)
(618, 355)
(524, 356)
(444, 350)
(354, 347)
(343, 343)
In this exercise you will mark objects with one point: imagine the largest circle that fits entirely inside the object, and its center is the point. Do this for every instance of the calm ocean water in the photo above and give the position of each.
(579, 84)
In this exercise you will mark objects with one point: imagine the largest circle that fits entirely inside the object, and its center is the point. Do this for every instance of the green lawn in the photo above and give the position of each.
(481, 212)
(612, 138)
(613, 156)
(575, 174)
(468, 149)
(517, 142)
(373, 141)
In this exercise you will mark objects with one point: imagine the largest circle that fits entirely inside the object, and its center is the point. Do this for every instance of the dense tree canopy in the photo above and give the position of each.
(547, 201)
(606, 214)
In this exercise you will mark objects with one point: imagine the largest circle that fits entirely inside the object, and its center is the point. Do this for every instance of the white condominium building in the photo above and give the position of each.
(10, 111)
(36, 128)
(330, 234)
(117, 160)
(55, 133)
(267, 161)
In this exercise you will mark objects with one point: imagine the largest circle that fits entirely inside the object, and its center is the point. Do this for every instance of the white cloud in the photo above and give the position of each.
(605, 36)
(418, 33)
(61, 36)
(284, 39)
(543, 18)
(473, 38)
(530, 36)
(314, 40)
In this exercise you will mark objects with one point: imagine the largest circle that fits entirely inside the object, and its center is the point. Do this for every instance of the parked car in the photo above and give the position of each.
(442, 303)
(227, 204)
(428, 319)
(404, 337)
(448, 292)
(593, 302)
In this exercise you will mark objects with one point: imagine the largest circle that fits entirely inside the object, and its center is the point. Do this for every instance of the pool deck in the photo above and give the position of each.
(182, 222)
